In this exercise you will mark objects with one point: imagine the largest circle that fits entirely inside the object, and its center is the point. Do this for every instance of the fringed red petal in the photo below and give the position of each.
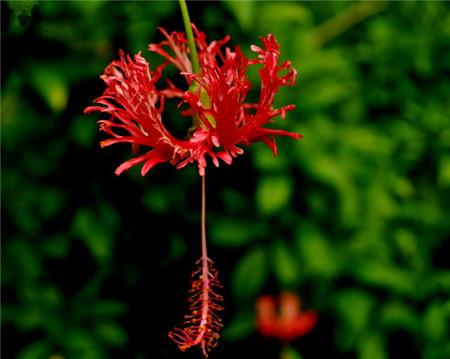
(216, 97)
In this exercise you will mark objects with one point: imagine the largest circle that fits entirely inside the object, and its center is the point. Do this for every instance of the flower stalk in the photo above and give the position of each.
(190, 36)
(203, 221)
(196, 122)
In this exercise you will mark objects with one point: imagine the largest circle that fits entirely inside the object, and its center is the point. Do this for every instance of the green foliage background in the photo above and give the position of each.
(354, 217)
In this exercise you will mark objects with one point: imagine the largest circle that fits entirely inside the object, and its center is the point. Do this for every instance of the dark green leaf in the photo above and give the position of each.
(249, 274)
(36, 350)
(372, 346)
(111, 333)
(240, 326)
(22, 10)
(286, 264)
(273, 193)
(51, 85)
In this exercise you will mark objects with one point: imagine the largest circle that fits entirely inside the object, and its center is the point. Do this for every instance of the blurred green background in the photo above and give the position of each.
(354, 217)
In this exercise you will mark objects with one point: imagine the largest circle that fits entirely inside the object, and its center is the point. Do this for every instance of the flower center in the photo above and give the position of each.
(202, 120)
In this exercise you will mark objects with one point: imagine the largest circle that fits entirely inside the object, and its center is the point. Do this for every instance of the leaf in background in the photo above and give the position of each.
(249, 274)
(24, 260)
(227, 232)
(436, 321)
(398, 315)
(440, 281)
(156, 200)
(353, 307)
(240, 326)
(372, 346)
(83, 131)
(264, 159)
(111, 333)
(11, 96)
(107, 308)
(330, 171)
(81, 344)
(27, 318)
(22, 10)
(439, 351)
(407, 243)
(36, 350)
(243, 11)
(317, 254)
(285, 264)
(234, 201)
(50, 297)
(43, 162)
(385, 276)
(273, 193)
(51, 85)
(444, 171)
(287, 13)
(289, 352)
(52, 199)
(56, 245)
(177, 249)
(96, 230)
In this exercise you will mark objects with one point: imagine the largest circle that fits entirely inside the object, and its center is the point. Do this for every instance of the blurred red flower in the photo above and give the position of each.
(215, 98)
(283, 318)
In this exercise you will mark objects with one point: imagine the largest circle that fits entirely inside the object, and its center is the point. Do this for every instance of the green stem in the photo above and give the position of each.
(190, 36)
(346, 19)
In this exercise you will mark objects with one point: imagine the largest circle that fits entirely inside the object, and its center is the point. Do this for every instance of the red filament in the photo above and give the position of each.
(202, 324)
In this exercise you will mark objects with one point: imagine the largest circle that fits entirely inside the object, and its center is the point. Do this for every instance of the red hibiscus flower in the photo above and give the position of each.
(215, 98)
(288, 322)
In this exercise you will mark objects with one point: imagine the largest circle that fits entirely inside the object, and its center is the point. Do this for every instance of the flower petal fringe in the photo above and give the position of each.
(216, 97)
